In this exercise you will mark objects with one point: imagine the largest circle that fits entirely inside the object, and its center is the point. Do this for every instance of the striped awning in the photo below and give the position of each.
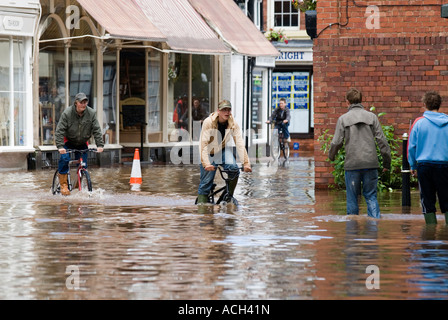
(123, 19)
(183, 27)
(237, 30)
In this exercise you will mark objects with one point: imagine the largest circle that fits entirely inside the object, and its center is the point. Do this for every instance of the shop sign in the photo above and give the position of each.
(291, 56)
(268, 62)
(17, 25)
(13, 23)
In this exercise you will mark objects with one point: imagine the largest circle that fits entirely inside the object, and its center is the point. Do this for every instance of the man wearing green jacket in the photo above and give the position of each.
(76, 125)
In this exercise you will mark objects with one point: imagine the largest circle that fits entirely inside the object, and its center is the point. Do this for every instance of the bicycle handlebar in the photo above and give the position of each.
(228, 172)
(81, 151)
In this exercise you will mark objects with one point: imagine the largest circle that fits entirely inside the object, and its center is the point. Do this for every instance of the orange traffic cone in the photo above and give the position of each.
(136, 173)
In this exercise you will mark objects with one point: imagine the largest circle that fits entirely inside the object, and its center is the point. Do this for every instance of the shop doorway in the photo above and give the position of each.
(132, 92)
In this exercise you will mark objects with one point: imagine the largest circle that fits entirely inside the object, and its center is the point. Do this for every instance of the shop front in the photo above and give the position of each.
(18, 21)
(292, 80)
(152, 70)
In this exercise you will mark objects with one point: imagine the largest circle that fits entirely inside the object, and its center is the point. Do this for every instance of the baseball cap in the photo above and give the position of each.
(224, 104)
(81, 97)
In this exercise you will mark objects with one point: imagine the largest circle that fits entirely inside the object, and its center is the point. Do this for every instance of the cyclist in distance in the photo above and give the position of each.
(76, 125)
(281, 117)
(217, 130)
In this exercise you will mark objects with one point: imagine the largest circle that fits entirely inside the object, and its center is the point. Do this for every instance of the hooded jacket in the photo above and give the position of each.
(78, 129)
(428, 139)
(211, 142)
(360, 129)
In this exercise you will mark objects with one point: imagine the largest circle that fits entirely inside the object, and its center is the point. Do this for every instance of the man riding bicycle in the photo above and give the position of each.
(281, 117)
(216, 132)
(76, 125)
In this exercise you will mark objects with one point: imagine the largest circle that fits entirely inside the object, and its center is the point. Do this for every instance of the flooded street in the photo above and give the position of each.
(284, 240)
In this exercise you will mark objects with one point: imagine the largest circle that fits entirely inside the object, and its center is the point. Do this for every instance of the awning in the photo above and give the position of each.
(184, 28)
(237, 30)
(123, 19)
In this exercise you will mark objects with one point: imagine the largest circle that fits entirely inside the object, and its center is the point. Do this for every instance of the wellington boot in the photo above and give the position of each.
(64, 184)
(232, 185)
(202, 198)
(430, 218)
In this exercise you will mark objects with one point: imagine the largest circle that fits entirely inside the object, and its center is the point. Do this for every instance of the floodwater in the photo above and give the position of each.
(284, 241)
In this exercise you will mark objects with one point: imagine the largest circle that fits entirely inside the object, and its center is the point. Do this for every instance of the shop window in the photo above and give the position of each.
(110, 96)
(51, 82)
(178, 89)
(12, 93)
(285, 15)
(201, 89)
(258, 101)
(154, 105)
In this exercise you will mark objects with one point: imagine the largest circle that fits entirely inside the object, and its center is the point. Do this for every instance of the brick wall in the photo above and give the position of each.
(392, 65)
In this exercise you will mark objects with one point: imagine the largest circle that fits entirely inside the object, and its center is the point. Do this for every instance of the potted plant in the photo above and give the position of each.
(304, 5)
(276, 35)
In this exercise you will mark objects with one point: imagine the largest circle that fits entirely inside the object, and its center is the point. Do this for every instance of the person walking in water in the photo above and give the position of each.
(360, 129)
(428, 156)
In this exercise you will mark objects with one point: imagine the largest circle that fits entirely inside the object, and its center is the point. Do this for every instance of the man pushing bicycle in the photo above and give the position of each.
(76, 125)
(216, 132)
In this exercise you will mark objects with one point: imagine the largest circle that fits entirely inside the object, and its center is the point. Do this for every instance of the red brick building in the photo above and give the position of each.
(393, 52)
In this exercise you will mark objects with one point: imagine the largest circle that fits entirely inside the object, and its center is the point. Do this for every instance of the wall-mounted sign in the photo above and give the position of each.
(13, 23)
(293, 56)
(17, 24)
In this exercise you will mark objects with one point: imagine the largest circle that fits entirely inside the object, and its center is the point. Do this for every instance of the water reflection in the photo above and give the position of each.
(284, 241)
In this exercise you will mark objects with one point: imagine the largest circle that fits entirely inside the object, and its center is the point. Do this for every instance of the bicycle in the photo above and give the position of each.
(224, 197)
(83, 181)
(279, 144)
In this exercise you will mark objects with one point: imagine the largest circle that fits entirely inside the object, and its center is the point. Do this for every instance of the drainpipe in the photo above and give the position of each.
(250, 66)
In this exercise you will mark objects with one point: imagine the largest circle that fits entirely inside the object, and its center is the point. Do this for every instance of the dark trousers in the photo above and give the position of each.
(433, 182)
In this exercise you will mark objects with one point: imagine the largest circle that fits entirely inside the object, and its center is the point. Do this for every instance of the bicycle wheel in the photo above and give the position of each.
(86, 183)
(56, 186)
(275, 147)
(285, 149)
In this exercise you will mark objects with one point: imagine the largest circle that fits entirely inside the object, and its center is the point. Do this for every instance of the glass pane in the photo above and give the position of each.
(82, 65)
(4, 118)
(4, 92)
(278, 6)
(202, 91)
(257, 103)
(278, 20)
(294, 20)
(4, 65)
(286, 20)
(286, 6)
(178, 97)
(154, 106)
(19, 93)
(110, 96)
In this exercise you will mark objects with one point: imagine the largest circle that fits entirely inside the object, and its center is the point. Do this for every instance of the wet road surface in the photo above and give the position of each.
(284, 241)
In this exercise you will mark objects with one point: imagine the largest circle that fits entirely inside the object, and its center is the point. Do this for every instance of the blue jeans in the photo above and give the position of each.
(284, 126)
(65, 159)
(367, 180)
(228, 162)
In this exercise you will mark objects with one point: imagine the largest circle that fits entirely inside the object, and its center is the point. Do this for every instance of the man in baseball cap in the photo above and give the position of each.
(76, 125)
(217, 130)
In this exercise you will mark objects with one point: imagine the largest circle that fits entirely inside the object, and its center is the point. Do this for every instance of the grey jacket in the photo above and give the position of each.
(78, 130)
(360, 129)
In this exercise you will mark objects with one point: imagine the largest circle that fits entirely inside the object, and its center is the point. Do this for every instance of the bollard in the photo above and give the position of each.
(405, 175)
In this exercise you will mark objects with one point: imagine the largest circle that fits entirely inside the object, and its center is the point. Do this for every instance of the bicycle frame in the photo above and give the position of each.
(81, 173)
(282, 144)
(224, 197)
